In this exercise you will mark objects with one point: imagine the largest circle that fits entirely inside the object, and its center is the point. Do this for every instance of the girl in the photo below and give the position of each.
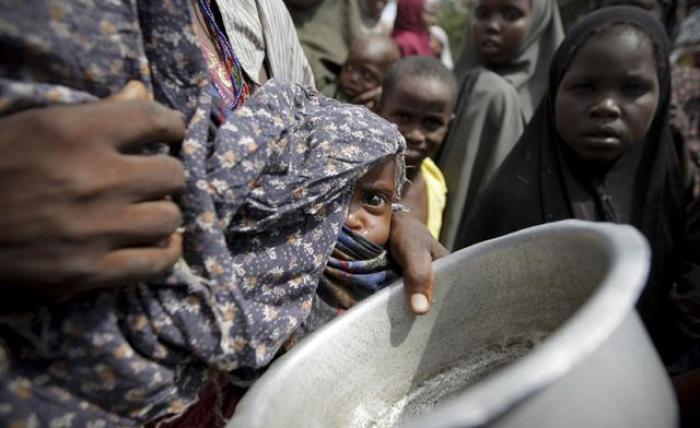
(599, 148)
(502, 76)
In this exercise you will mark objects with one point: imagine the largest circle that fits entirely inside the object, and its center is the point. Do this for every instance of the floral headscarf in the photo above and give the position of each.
(265, 197)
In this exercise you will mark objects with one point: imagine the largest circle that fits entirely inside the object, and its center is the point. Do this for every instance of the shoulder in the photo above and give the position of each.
(492, 90)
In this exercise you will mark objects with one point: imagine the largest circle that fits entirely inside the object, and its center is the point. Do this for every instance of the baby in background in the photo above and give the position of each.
(360, 80)
(419, 95)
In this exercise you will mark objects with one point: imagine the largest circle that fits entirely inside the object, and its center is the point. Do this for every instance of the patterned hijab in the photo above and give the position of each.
(528, 71)
(265, 197)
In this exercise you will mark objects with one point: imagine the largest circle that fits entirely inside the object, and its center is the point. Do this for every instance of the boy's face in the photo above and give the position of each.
(369, 214)
(422, 110)
(364, 68)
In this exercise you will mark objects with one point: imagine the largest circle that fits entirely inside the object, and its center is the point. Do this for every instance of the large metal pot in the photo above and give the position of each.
(534, 329)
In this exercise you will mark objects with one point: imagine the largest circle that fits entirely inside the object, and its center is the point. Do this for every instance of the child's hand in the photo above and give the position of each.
(414, 249)
(369, 99)
(80, 210)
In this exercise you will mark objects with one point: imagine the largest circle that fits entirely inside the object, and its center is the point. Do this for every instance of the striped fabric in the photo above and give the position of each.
(260, 29)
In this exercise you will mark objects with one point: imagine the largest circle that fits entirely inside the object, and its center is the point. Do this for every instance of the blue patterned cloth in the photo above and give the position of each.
(266, 195)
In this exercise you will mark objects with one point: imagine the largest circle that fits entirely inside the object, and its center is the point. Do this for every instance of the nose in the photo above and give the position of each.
(354, 221)
(354, 76)
(493, 26)
(414, 136)
(606, 107)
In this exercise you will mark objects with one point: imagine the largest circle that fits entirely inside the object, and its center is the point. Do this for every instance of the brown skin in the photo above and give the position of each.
(422, 109)
(369, 214)
(607, 99)
(80, 210)
(362, 74)
(499, 28)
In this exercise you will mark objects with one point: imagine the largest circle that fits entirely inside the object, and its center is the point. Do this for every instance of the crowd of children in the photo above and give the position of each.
(292, 200)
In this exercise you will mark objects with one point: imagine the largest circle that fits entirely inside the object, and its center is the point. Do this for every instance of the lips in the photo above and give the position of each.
(603, 135)
(490, 45)
(350, 90)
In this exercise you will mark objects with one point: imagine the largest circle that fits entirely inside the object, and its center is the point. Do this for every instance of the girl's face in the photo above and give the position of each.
(499, 28)
(607, 98)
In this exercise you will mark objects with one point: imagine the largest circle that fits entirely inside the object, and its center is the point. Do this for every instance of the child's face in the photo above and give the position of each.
(499, 28)
(607, 99)
(369, 214)
(364, 68)
(422, 110)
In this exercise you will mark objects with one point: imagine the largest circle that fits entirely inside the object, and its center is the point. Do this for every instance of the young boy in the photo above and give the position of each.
(361, 77)
(418, 95)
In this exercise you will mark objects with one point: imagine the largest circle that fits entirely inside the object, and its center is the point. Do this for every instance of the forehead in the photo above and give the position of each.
(372, 51)
(431, 94)
(382, 176)
(498, 4)
(614, 52)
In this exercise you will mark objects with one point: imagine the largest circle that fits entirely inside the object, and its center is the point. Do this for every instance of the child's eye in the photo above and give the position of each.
(402, 118)
(375, 200)
(433, 124)
(481, 13)
(583, 88)
(369, 76)
(635, 89)
(513, 14)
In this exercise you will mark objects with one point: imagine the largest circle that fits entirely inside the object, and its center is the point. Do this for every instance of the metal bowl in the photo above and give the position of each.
(534, 329)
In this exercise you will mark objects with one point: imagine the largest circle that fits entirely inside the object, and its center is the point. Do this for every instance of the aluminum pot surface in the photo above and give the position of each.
(533, 329)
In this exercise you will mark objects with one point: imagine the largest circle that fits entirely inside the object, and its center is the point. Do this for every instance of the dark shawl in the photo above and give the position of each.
(540, 182)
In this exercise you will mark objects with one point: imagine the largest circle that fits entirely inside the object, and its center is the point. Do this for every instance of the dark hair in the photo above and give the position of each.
(622, 26)
(423, 67)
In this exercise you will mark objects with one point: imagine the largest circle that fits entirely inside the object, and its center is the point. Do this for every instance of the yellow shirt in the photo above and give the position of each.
(436, 189)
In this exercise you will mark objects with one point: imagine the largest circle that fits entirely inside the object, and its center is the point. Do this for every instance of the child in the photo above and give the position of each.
(419, 97)
(361, 77)
(502, 75)
(359, 265)
(600, 148)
